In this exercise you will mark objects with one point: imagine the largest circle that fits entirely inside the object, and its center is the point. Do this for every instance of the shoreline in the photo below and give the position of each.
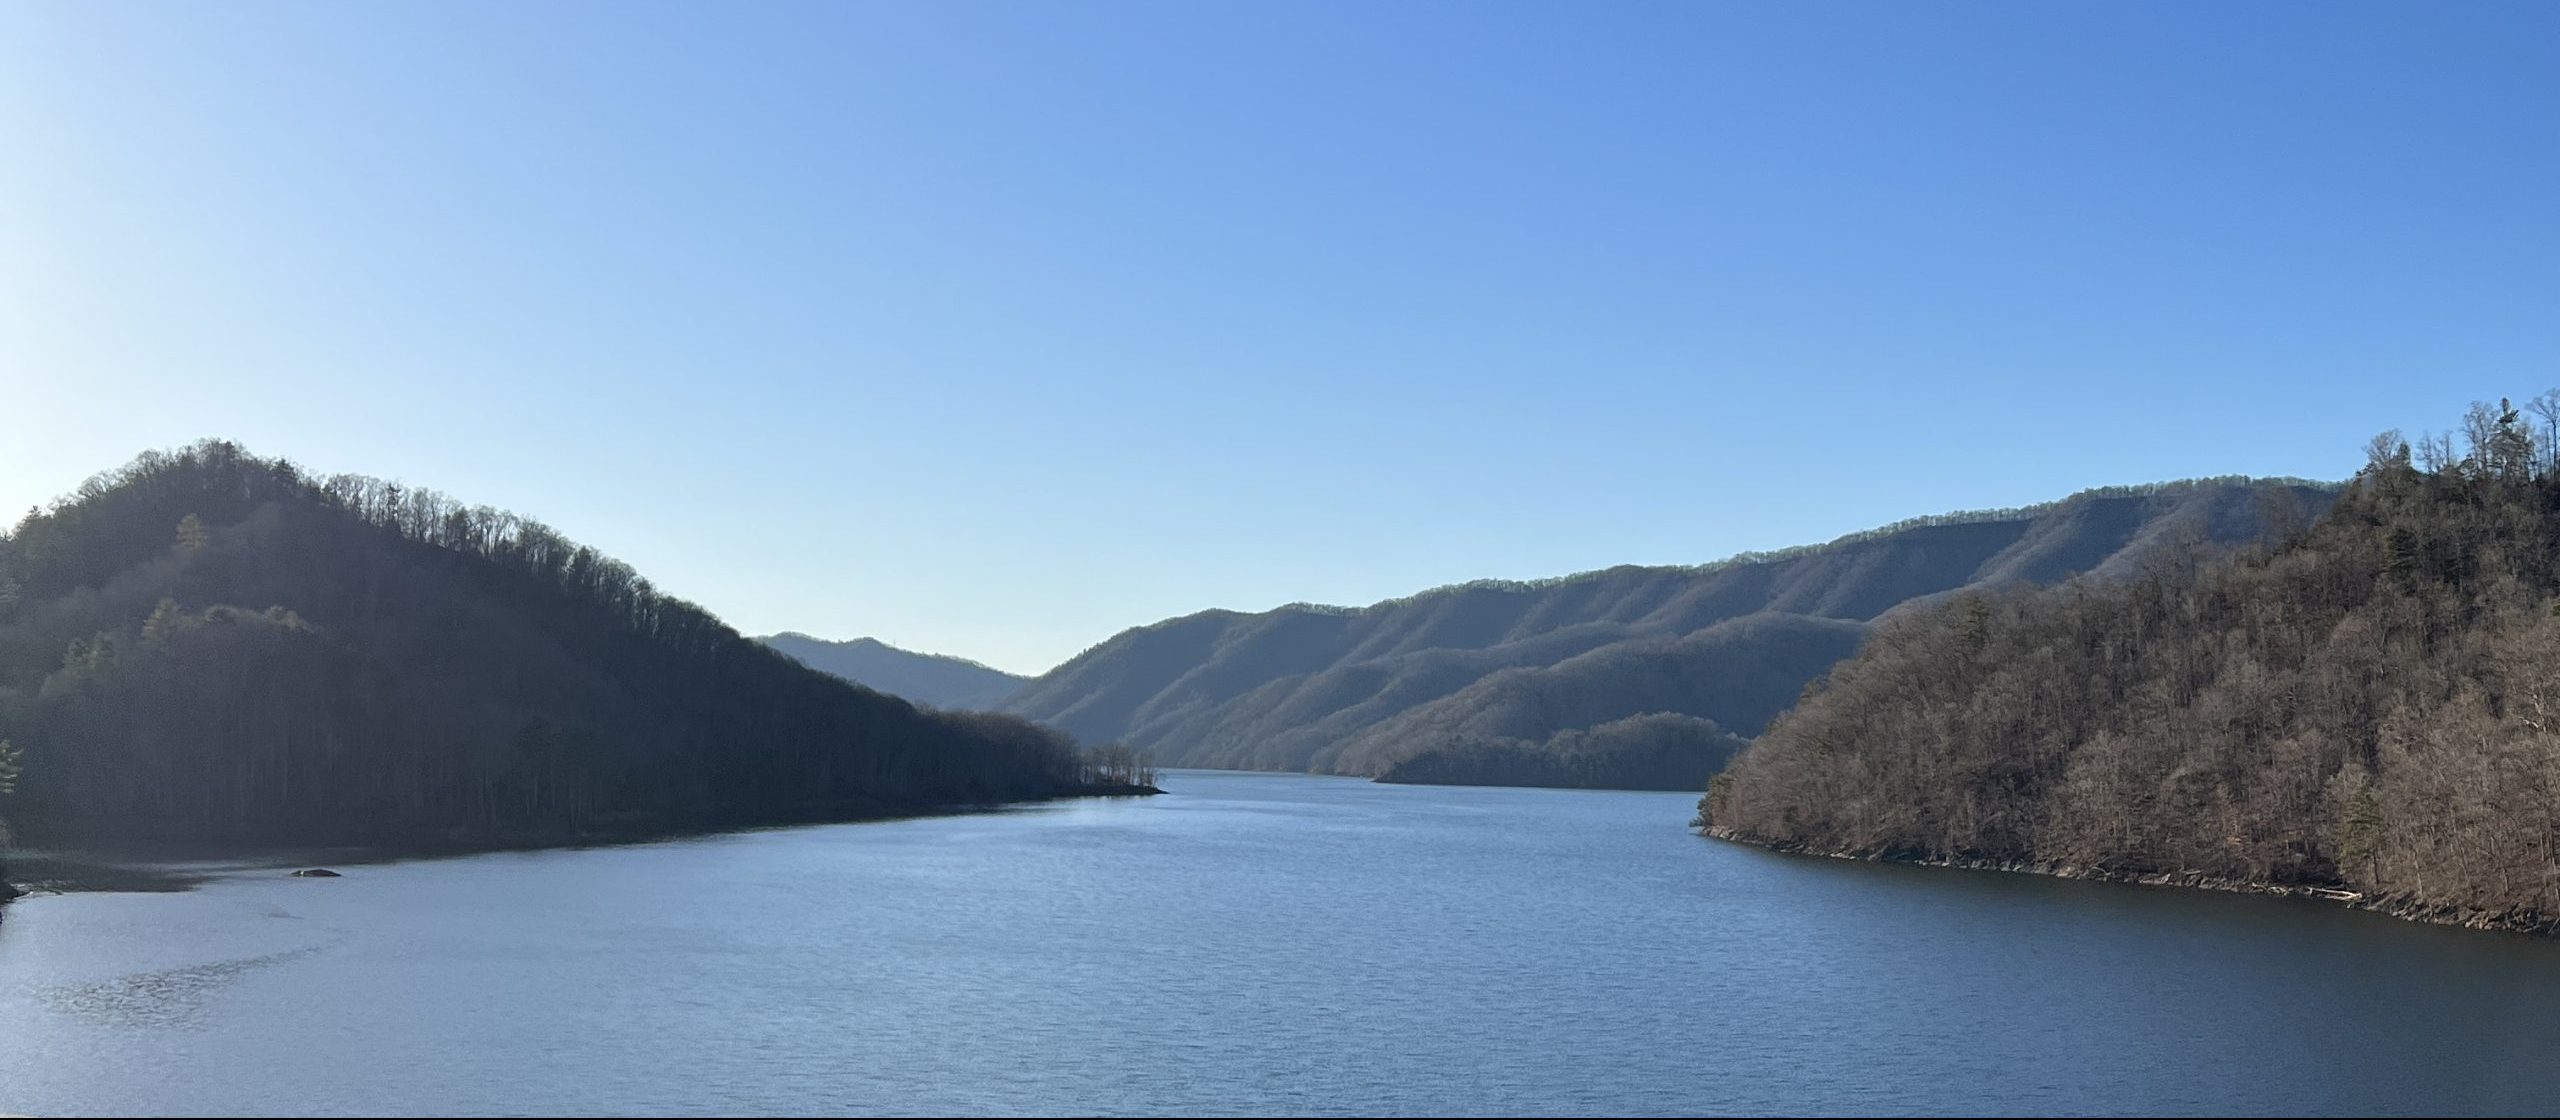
(2403, 907)
(49, 872)
(152, 868)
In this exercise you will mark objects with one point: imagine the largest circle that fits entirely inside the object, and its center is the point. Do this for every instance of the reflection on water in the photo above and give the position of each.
(1250, 944)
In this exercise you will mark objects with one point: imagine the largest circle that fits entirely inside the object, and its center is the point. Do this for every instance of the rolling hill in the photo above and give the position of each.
(208, 647)
(2367, 708)
(924, 678)
(1409, 686)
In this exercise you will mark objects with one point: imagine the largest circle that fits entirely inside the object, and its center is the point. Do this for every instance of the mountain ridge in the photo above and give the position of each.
(939, 680)
(1307, 686)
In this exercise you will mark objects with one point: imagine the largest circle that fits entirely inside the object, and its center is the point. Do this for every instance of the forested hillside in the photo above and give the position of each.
(210, 647)
(1658, 751)
(1487, 679)
(2372, 704)
(924, 678)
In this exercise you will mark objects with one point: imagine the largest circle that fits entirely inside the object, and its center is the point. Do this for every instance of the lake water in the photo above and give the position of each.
(1251, 943)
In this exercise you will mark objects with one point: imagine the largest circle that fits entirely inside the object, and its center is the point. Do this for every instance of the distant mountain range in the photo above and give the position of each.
(922, 678)
(1553, 682)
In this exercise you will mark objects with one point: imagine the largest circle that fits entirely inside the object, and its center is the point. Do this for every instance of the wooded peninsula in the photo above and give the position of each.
(211, 648)
(2366, 705)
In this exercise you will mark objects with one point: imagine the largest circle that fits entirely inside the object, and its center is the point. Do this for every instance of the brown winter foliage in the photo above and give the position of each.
(2371, 702)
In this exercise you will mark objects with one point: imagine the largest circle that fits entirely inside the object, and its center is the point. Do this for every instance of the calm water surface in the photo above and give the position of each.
(1251, 943)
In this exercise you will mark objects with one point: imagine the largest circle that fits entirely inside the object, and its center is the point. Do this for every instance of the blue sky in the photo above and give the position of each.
(993, 329)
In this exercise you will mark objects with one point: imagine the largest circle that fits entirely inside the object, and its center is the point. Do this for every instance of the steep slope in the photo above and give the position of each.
(1735, 674)
(1657, 751)
(923, 678)
(2369, 706)
(1358, 691)
(212, 647)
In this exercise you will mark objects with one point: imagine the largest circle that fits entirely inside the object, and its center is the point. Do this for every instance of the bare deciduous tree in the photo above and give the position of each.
(2374, 706)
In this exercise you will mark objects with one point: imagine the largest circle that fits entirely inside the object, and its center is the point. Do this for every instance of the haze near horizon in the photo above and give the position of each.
(991, 331)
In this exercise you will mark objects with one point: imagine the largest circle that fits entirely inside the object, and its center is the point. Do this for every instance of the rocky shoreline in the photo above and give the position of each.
(2393, 905)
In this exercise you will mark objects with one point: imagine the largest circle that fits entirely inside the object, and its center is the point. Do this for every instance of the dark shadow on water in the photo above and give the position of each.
(173, 868)
(61, 872)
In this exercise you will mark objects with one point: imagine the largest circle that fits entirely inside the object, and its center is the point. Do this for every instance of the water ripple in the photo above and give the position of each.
(170, 998)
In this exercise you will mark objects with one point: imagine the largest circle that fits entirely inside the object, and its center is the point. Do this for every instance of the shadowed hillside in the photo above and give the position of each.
(209, 647)
(1739, 673)
(924, 678)
(1658, 751)
(1497, 665)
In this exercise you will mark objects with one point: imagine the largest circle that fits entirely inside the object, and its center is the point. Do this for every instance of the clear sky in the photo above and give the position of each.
(993, 329)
